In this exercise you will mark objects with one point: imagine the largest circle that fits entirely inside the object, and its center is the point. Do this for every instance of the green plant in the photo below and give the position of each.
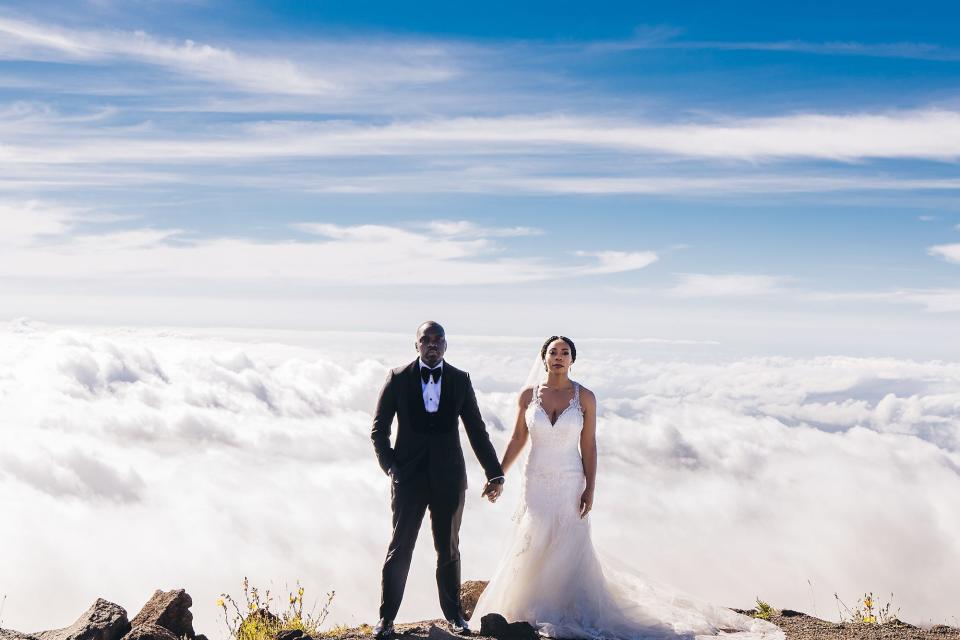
(257, 622)
(866, 611)
(764, 610)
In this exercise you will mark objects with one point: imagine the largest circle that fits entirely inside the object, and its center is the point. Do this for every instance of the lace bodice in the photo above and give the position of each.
(555, 447)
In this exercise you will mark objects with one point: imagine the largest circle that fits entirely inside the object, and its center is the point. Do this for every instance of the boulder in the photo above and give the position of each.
(150, 631)
(469, 594)
(495, 625)
(170, 610)
(104, 620)
(291, 634)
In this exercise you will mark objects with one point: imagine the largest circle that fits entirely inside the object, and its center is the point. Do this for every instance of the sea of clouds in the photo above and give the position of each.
(132, 460)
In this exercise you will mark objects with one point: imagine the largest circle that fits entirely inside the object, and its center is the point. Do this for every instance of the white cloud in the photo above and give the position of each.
(949, 252)
(921, 134)
(698, 285)
(212, 443)
(618, 261)
(934, 300)
(467, 228)
(347, 65)
(347, 255)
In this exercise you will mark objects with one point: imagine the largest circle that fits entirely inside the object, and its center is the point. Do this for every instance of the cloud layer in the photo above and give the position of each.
(251, 451)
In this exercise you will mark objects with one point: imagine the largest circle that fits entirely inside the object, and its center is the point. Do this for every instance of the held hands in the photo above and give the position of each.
(492, 491)
(586, 502)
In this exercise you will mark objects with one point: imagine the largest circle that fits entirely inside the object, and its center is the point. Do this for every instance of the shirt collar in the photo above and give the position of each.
(423, 365)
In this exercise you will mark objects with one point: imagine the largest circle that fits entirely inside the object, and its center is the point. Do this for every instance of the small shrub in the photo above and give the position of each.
(764, 610)
(255, 621)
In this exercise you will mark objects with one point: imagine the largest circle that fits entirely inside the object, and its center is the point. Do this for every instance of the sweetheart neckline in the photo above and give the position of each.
(573, 398)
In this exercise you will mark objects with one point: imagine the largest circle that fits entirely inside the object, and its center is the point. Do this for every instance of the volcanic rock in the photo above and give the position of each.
(495, 625)
(170, 610)
(469, 594)
(104, 620)
(150, 632)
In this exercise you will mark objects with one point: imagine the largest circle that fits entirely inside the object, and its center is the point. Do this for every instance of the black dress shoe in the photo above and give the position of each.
(383, 630)
(458, 625)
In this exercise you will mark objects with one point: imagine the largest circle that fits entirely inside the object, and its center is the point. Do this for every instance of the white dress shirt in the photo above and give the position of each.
(431, 389)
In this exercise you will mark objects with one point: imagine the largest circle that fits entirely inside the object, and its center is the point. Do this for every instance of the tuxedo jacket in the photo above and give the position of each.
(430, 442)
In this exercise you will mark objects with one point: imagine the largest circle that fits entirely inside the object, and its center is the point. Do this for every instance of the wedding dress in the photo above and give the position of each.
(552, 577)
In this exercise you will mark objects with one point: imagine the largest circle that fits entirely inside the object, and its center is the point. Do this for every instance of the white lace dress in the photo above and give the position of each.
(551, 576)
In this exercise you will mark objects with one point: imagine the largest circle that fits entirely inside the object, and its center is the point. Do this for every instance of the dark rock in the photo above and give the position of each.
(170, 610)
(150, 631)
(897, 623)
(790, 613)
(469, 594)
(495, 625)
(291, 634)
(436, 633)
(104, 620)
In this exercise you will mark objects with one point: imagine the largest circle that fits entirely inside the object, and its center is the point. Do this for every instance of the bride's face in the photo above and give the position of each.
(558, 357)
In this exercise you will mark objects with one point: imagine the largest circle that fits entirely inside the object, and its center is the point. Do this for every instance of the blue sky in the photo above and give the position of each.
(764, 177)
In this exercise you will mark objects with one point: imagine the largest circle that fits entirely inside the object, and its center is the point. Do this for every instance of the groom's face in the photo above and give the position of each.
(431, 344)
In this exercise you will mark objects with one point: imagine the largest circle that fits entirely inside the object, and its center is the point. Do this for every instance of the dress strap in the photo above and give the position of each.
(576, 393)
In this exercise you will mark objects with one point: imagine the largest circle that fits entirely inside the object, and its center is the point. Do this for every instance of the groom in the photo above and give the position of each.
(427, 470)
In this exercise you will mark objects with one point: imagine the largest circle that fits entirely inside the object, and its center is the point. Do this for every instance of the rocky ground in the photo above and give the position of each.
(167, 616)
(795, 625)
(800, 626)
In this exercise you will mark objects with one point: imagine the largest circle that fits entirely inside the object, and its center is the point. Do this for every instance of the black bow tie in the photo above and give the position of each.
(434, 373)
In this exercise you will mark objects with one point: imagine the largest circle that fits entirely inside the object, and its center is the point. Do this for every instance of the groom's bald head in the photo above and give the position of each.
(431, 342)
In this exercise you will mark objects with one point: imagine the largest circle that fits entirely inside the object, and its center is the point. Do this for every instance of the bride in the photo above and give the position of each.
(551, 576)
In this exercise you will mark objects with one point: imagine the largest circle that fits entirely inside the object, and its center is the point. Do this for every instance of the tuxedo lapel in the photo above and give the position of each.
(416, 391)
(447, 389)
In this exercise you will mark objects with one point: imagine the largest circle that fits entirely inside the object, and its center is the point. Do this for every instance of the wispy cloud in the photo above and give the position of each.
(41, 245)
(707, 285)
(346, 65)
(923, 134)
(667, 37)
(465, 228)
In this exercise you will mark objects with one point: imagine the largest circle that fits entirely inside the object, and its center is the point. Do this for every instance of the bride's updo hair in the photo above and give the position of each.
(573, 348)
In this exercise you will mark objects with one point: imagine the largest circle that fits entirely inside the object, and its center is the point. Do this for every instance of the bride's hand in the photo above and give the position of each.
(586, 502)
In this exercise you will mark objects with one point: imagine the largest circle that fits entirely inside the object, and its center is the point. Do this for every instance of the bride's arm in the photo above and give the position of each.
(520, 433)
(588, 448)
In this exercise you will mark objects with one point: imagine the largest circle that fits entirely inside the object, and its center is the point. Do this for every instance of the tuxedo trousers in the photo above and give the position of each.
(410, 499)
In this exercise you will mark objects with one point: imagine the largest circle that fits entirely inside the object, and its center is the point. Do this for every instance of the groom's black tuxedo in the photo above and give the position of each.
(427, 470)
